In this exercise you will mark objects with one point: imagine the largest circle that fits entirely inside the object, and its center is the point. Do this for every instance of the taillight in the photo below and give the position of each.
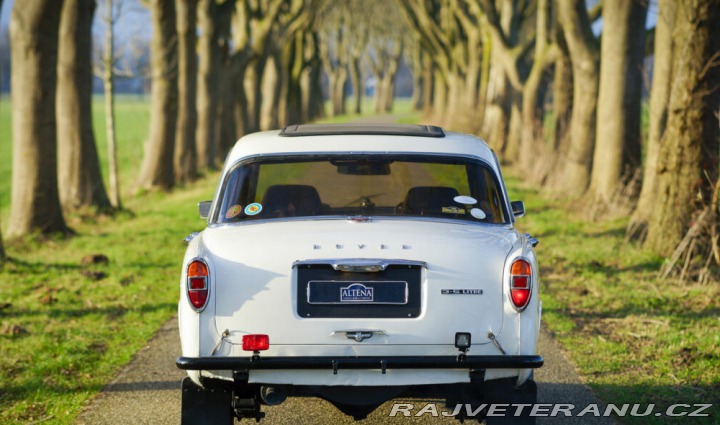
(255, 342)
(197, 284)
(520, 284)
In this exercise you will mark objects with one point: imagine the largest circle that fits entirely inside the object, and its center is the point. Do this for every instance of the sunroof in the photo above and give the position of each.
(361, 129)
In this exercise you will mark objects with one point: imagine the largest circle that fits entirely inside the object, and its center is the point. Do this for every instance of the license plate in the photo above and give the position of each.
(357, 292)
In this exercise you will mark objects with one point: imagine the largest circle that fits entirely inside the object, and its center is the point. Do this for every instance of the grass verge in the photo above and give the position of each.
(635, 339)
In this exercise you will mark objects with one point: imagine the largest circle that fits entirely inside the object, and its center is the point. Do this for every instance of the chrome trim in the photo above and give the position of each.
(207, 284)
(375, 219)
(530, 286)
(190, 237)
(358, 336)
(339, 263)
(532, 240)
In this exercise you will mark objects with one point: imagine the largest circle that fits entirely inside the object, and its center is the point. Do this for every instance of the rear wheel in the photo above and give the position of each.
(510, 394)
(206, 406)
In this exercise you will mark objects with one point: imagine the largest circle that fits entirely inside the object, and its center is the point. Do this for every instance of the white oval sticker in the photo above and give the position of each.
(467, 200)
(478, 213)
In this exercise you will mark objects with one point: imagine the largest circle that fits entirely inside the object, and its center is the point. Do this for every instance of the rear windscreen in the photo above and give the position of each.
(357, 185)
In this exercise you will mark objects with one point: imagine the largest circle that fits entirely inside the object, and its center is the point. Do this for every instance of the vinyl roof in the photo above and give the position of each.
(362, 129)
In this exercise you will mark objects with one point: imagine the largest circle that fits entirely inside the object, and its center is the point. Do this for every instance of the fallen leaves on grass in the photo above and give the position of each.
(94, 259)
(12, 329)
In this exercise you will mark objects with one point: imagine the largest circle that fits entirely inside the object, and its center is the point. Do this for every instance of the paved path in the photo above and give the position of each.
(147, 391)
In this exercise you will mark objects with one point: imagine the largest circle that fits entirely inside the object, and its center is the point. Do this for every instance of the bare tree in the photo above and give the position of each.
(157, 171)
(106, 70)
(35, 202)
(585, 58)
(334, 55)
(658, 105)
(689, 149)
(185, 147)
(80, 180)
(213, 18)
(545, 54)
(2, 249)
(618, 145)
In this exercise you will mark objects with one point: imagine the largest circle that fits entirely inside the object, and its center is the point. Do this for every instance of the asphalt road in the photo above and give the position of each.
(147, 391)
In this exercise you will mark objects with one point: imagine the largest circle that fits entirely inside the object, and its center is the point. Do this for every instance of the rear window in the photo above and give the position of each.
(355, 185)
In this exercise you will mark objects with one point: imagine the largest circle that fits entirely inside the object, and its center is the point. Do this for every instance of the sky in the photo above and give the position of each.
(134, 21)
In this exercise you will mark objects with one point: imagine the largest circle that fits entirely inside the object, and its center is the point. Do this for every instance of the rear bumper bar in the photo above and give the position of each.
(366, 362)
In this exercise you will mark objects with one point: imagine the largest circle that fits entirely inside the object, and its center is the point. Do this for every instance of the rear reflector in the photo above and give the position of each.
(520, 284)
(197, 284)
(255, 342)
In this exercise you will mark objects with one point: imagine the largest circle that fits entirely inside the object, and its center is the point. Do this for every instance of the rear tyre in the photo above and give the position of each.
(206, 406)
(524, 394)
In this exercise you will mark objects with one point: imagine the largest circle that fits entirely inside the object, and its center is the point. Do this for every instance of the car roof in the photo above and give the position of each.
(361, 138)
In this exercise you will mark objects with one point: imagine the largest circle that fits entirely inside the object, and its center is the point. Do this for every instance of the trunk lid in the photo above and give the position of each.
(318, 282)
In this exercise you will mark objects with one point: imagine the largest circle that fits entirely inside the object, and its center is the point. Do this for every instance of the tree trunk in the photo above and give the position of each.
(532, 119)
(659, 96)
(294, 101)
(584, 57)
(185, 147)
(272, 87)
(157, 167)
(562, 95)
(339, 96)
(79, 178)
(357, 85)
(253, 89)
(35, 204)
(209, 72)
(109, 89)
(531, 133)
(311, 89)
(418, 74)
(497, 111)
(440, 96)
(2, 250)
(484, 82)
(691, 137)
(618, 145)
(428, 87)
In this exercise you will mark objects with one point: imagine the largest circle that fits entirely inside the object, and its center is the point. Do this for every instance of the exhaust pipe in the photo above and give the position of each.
(272, 396)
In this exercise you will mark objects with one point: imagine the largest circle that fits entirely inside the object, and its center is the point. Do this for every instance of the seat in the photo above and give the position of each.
(427, 200)
(291, 200)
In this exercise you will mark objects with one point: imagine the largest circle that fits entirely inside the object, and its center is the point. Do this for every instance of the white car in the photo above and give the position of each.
(358, 263)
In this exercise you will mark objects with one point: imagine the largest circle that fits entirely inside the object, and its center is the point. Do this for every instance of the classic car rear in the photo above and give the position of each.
(357, 264)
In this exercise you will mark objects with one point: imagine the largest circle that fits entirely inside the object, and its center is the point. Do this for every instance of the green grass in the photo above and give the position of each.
(74, 332)
(66, 334)
(634, 338)
(132, 119)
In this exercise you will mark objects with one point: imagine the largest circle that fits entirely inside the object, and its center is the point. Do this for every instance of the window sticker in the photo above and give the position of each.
(478, 213)
(467, 200)
(233, 211)
(453, 210)
(253, 209)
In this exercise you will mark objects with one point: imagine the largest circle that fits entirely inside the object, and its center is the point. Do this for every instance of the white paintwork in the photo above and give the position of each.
(252, 281)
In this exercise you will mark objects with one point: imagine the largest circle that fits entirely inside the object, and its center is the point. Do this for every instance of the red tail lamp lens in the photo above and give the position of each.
(520, 283)
(197, 284)
(256, 342)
